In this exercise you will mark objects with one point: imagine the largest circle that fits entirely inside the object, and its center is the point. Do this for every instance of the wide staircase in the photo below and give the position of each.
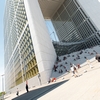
(62, 66)
(84, 87)
(62, 74)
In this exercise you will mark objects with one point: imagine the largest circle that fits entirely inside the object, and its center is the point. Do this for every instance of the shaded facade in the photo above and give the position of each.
(73, 23)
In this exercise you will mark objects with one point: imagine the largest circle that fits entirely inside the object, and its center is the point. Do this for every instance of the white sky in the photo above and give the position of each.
(2, 3)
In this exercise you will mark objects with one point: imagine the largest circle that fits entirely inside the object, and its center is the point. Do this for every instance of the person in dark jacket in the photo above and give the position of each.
(17, 93)
(27, 86)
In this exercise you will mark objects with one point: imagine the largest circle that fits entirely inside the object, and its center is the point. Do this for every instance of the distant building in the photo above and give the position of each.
(29, 52)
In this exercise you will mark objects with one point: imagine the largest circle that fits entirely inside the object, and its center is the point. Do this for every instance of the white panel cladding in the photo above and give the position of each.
(92, 8)
(43, 47)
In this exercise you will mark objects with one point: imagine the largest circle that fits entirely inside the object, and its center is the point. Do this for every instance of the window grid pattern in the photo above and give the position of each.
(74, 24)
(19, 51)
(21, 18)
(85, 30)
(17, 67)
(9, 76)
(71, 8)
(30, 68)
(80, 17)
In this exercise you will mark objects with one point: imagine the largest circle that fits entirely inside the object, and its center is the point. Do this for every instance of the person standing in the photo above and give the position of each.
(72, 69)
(75, 70)
(27, 86)
(17, 92)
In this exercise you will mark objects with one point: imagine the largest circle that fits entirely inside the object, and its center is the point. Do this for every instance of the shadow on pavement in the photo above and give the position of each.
(35, 94)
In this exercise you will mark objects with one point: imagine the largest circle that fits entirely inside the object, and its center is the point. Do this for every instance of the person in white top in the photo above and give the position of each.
(73, 69)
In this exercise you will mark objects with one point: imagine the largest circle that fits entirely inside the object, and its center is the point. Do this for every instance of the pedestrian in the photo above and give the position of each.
(78, 66)
(57, 58)
(17, 93)
(75, 70)
(27, 86)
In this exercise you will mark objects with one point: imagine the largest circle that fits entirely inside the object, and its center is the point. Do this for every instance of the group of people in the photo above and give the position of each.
(74, 68)
(17, 93)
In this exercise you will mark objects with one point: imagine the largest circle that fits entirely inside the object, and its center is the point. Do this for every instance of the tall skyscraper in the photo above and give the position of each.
(29, 52)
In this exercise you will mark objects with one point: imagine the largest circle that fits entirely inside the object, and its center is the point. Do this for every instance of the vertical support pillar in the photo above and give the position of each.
(43, 47)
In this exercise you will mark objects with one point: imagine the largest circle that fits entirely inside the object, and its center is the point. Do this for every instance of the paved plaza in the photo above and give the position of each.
(84, 87)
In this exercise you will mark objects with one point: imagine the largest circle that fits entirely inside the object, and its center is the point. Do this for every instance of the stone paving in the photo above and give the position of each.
(85, 87)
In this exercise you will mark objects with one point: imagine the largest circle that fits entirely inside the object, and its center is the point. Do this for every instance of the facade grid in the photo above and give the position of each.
(20, 60)
(72, 24)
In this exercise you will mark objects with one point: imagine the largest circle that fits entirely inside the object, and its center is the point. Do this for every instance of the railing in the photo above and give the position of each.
(72, 43)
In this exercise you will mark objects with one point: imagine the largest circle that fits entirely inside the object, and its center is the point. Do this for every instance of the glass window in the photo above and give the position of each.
(60, 9)
(64, 16)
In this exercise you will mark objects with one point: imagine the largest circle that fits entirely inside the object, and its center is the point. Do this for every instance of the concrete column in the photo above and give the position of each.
(43, 47)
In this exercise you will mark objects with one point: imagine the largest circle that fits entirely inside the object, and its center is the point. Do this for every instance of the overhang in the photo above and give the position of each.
(49, 7)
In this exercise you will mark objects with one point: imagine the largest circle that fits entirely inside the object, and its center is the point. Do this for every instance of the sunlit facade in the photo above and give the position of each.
(19, 51)
(20, 56)
(29, 52)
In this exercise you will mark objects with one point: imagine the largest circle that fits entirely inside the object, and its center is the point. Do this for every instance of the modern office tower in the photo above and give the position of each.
(29, 52)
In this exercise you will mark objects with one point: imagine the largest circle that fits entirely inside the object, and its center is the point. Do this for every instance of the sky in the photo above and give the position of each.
(51, 30)
(2, 5)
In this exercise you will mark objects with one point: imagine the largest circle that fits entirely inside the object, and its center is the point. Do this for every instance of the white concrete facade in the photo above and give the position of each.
(43, 47)
(42, 44)
(92, 7)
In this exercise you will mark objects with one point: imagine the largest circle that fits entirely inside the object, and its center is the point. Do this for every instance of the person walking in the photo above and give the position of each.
(75, 70)
(72, 70)
(27, 86)
(17, 92)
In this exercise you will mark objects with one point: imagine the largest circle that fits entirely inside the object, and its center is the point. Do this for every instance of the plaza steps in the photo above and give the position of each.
(62, 78)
